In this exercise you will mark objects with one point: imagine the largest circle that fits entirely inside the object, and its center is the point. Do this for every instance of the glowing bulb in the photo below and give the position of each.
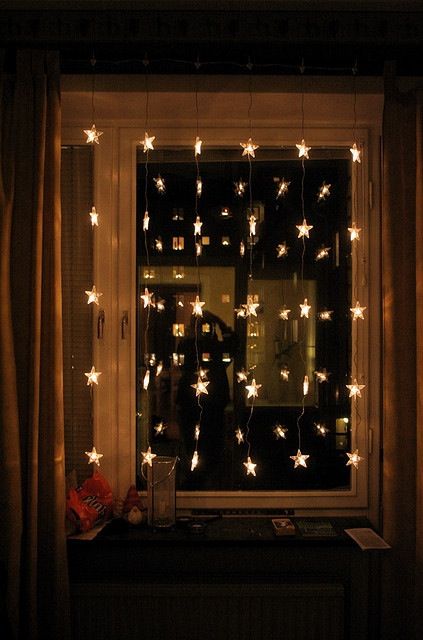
(148, 457)
(305, 309)
(160, 428)
(282, 188)
(282, 250)
(239, 436)
(197, 146)
(202, 373)
(249, 148)
(303, 229)
(93, 295)
(145, 221)
(198, 249)
(299, 459)
(146, 380)
(160, 305)
(92, 376)
(92, 135)
(197, 226)
(321, 429)
(303, 149)
(241, 249)
(325, 315)
(146, 297)
(322, 375)
(324, 191)
(356, 312)
(354, 459)
(93, 456)
(197, 430)
(199, 187)
(284, 372)
(239, 187)
(280, 431)
(283, 313)
(252, 389)
(355, 152)
(159, 245)
(354, 232)
(197, 307)
(252, 223)
(194, 461)
(355, 389)
(160, 184)
(250, 466)
(94, 217)
(242, 376)
(147, 143)
(322, 253)
(159, 368)
(306, 385)
(200, 386)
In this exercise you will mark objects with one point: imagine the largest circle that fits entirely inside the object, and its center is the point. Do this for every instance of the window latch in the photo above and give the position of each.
(100, 324)
(124, 325)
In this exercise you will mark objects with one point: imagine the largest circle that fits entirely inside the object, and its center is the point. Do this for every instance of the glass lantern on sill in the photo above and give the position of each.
(161, 492)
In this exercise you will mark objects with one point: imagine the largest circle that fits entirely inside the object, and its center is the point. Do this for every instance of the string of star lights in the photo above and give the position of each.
(147, 298)
(202, 382)
(356, 310)
(93, 134)
(300, 459)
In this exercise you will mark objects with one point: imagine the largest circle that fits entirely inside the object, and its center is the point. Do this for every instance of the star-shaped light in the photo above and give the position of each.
(283, 313)
(355, 389)
(282, 188)
(324, 191)
(282, 250)
(197, 226)
(146, 380)
(321, 429)
(325, 315)
(146, 297)
(92, 135)
(355, 152)
(239, 188)
(322, 253)
(148, 457)
(299, 459)
(197, 430)
(159, 368)
(200, 386)
(354, 458)
(194, 461)
(303, 149)
(356, 312)
(199, 187)
(197, 146)
(239, 435)
(252, 221)
(94, 217)
(197, 307)
(160, 428)
(92, 376)
(160, 184)
(303, 229)
(158, 244)
(354, 232)
(305, 309)
(93, 295)
(147, 142)
(249, 148)
(306, 385)
(322, 375)
(145, 221)
(250, 466)
(284, 372)
(250, 307)
(252, 389)
(93, 456)
(242, 376)
(280, 431)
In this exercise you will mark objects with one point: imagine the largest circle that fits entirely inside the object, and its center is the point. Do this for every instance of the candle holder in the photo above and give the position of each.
(161, 494)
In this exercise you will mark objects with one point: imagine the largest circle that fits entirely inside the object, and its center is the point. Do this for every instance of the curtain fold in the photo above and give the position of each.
(31, 369)
(402, 284)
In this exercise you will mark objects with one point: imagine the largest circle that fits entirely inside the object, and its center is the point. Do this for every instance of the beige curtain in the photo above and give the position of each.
(402, 250)
(32, 483)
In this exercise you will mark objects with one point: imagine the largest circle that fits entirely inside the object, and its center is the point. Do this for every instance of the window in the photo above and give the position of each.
(116, 426)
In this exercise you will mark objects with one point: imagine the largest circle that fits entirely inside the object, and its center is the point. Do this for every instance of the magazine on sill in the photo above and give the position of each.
(367, 539)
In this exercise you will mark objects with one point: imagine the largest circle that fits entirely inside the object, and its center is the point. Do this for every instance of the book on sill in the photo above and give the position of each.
(367, 539)
(316, 528)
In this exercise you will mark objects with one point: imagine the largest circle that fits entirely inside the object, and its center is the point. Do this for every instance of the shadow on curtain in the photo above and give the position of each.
(32, 484)
(402, 249)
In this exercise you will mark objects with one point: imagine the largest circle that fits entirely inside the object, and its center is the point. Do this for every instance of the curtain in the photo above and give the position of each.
(402, 249)
(32, 482)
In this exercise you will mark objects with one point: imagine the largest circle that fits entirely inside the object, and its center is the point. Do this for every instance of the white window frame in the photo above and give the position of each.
(276, 122)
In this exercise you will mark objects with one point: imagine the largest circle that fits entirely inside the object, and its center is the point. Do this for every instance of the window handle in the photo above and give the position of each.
(101, 318)
(124, 325)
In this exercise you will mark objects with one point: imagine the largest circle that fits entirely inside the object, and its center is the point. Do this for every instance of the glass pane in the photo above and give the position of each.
(294, 340)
